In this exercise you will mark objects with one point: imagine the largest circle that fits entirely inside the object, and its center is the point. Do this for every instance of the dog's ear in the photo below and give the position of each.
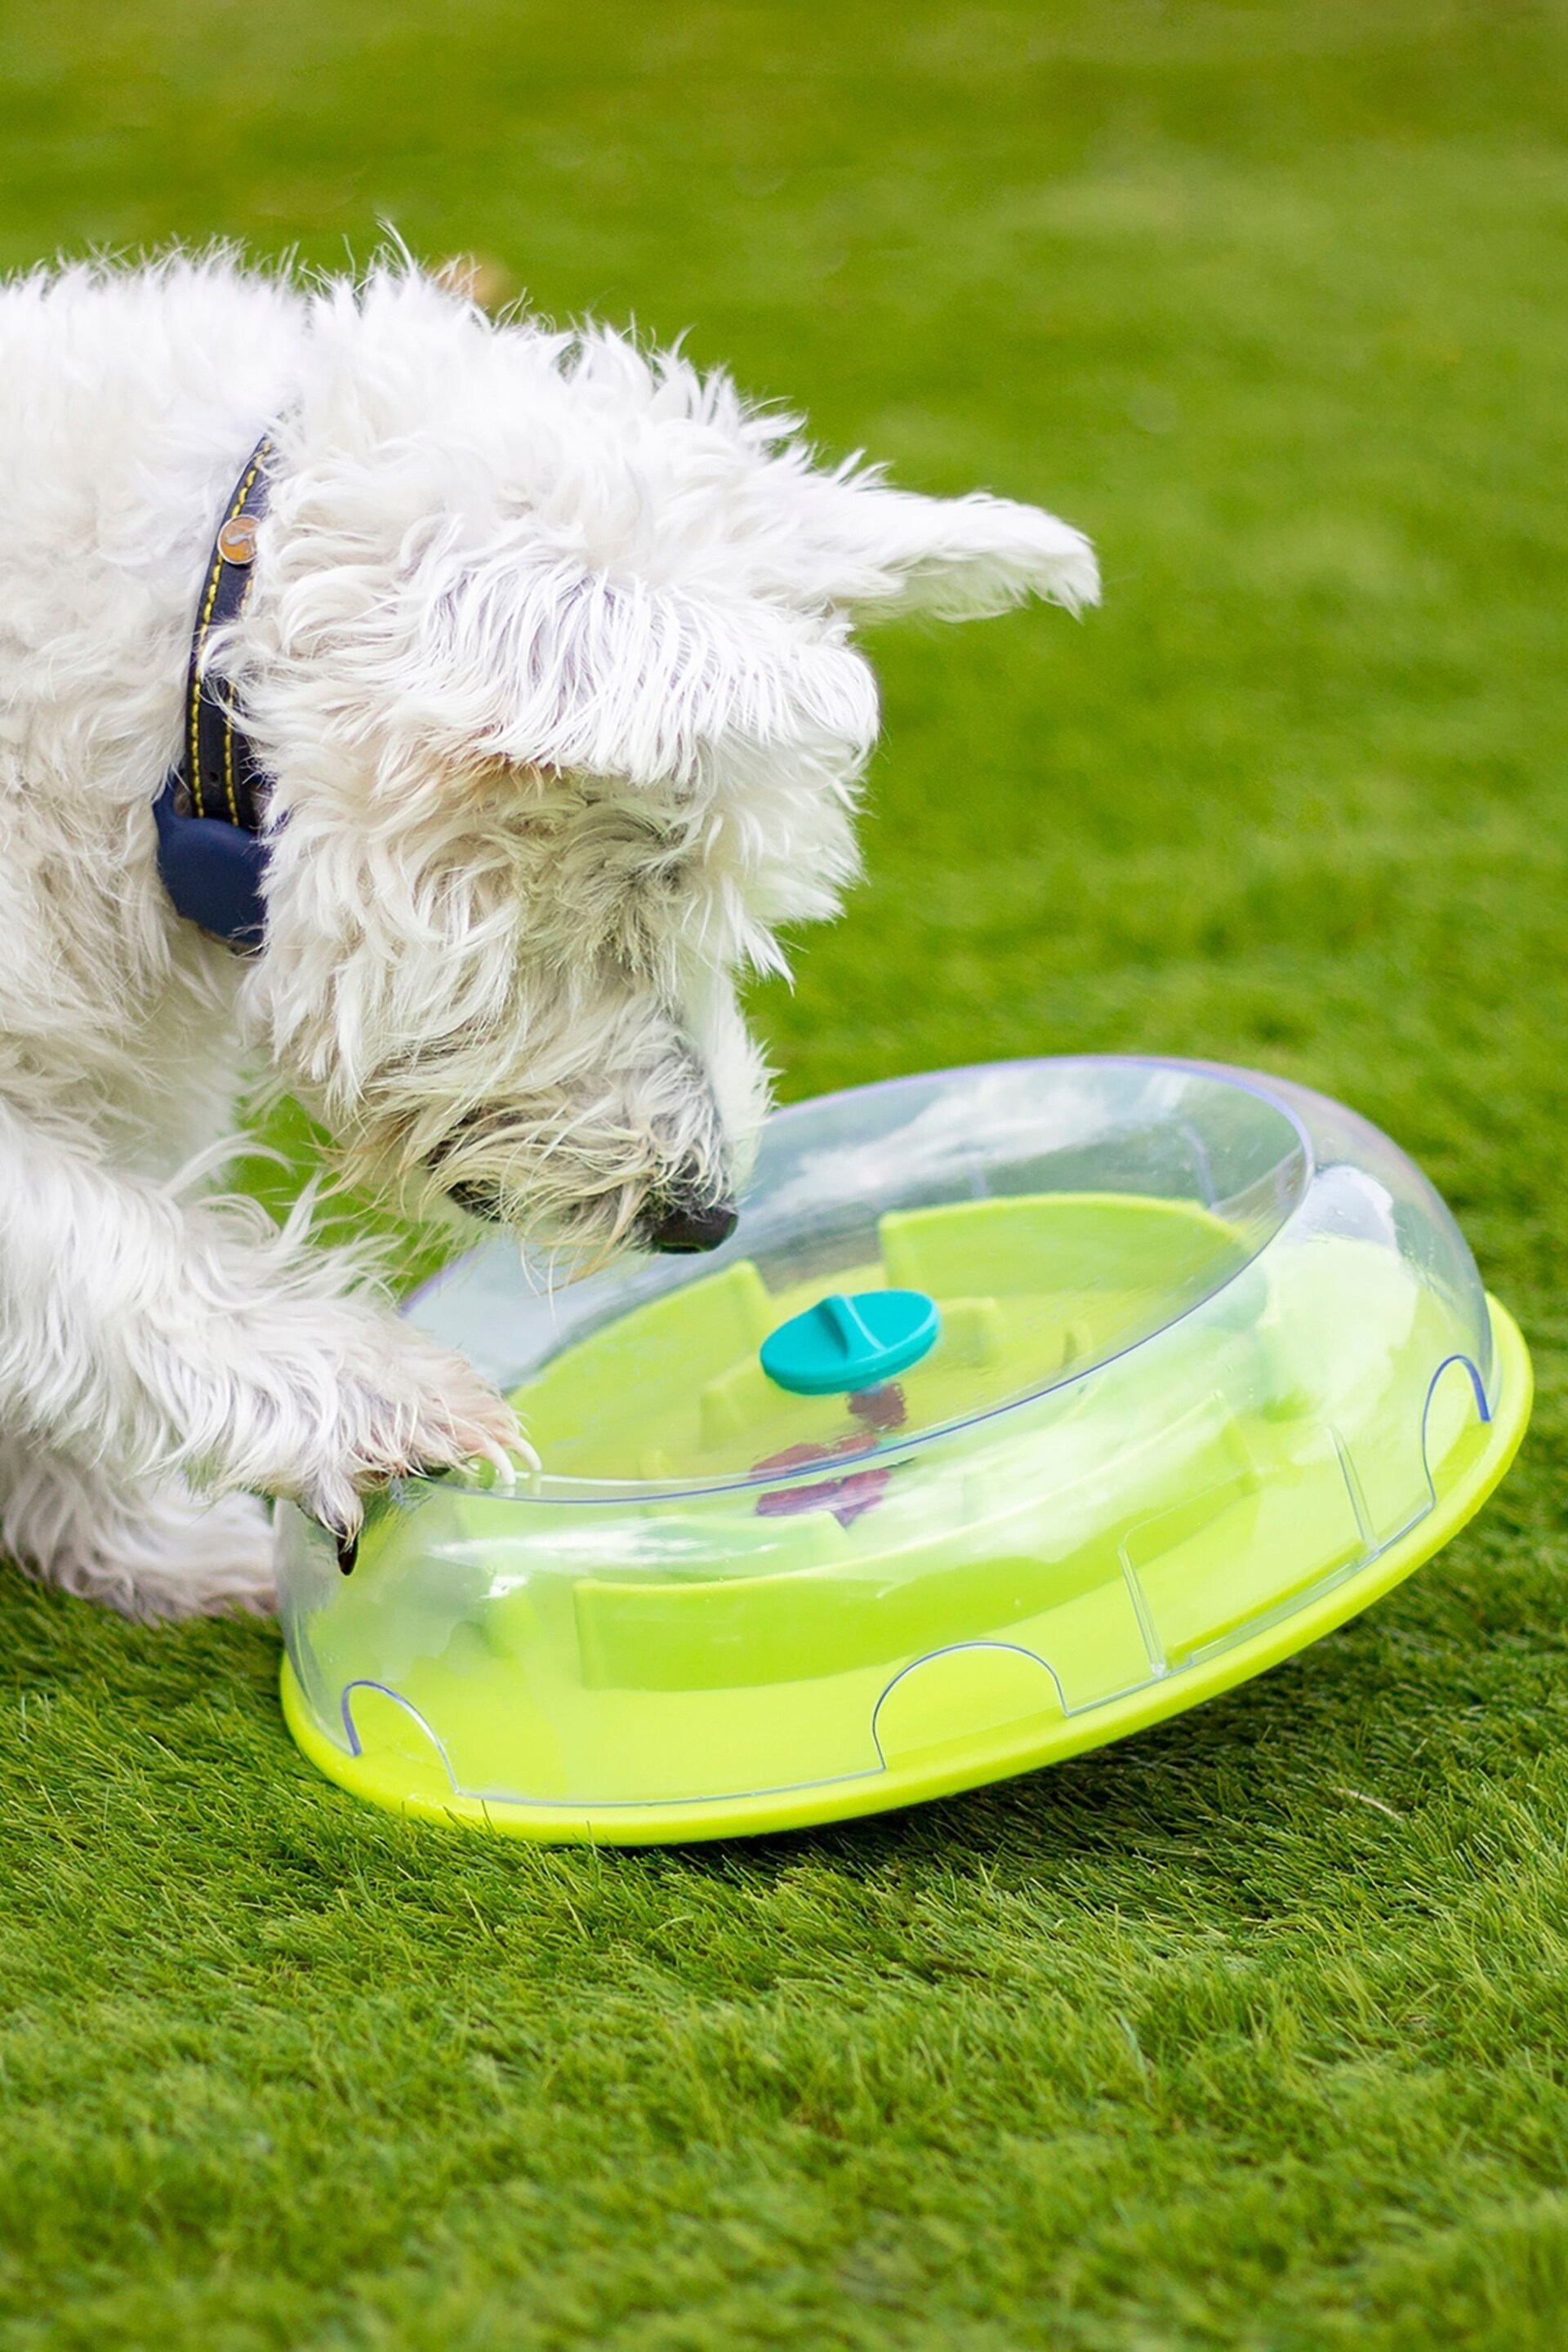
(545, 662)
(873, 551)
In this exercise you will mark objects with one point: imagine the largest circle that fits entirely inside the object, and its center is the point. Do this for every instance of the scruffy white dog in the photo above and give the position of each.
(546, 655)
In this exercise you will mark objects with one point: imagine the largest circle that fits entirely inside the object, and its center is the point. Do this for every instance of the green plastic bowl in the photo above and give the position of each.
(1215, 1368)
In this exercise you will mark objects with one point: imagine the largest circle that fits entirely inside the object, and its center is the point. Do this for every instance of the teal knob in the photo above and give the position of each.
(851, 1343)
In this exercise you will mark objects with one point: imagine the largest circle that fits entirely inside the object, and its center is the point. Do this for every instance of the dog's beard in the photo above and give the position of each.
(577, 1174)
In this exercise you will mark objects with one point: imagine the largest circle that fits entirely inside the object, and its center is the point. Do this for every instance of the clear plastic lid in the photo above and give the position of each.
(1207, 1343)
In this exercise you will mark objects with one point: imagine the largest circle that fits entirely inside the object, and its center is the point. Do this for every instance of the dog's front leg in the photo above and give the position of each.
(156, 1353)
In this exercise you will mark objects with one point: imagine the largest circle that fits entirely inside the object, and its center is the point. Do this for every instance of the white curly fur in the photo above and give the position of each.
(548, 651)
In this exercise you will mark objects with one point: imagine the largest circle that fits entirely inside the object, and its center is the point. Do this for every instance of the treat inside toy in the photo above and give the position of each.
(967, 1303)
(1027, 1404)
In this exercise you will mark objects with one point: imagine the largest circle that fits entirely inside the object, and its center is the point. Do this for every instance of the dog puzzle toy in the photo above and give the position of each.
(1028, 1404)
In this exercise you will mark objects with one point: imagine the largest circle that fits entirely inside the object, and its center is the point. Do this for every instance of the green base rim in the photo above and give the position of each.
(793, 1809)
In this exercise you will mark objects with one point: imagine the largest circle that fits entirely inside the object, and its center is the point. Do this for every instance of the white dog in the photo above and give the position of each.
(545, 655)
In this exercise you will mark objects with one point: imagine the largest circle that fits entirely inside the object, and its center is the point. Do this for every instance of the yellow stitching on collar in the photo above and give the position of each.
(228, 757)
(241, 496)
(196, 687)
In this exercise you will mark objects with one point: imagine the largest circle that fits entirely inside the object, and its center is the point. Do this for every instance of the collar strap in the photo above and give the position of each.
(211, 853)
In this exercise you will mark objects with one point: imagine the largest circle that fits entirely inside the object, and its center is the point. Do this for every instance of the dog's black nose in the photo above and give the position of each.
(687, 1224)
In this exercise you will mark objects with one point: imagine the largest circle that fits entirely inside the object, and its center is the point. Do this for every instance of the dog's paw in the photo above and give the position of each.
(206, 1560)
(404, 1406)
(153, 1553)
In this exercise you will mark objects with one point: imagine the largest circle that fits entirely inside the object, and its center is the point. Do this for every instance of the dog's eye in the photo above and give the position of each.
(672, 877)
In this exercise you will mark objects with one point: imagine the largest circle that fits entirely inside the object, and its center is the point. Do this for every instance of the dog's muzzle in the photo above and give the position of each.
(678, 1220)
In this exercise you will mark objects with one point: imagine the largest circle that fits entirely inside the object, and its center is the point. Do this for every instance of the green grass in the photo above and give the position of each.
(1253, 2033)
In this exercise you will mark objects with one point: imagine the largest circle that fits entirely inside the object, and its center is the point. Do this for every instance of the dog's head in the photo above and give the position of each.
(549, 655)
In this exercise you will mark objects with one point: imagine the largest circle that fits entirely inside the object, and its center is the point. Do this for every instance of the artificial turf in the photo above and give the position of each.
(1253, 2032)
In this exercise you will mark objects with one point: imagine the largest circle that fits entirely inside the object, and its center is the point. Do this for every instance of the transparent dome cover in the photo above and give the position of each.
(1213, 1368)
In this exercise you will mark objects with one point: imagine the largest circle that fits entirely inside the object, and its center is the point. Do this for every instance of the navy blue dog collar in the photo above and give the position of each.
(212, 854)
